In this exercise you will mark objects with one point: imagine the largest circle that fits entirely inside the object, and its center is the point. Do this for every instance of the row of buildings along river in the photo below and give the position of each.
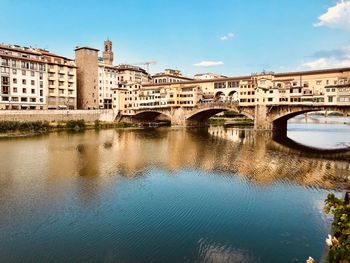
(37, 79)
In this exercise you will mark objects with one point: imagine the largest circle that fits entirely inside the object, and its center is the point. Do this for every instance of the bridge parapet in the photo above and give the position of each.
(218, 104)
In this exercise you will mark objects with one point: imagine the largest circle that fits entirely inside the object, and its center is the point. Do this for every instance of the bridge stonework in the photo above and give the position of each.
(266, 117)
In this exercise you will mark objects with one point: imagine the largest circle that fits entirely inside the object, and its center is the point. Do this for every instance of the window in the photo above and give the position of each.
(32, 73)
(24, 81)
(24, 90)
(219, 85)
(14, 89)
(318, 82)
(14, 71)
(32, 82)
(23, 72)
(33, 91)
(14, 80)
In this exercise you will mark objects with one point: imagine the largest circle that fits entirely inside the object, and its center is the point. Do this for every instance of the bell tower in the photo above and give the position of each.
(108, 53)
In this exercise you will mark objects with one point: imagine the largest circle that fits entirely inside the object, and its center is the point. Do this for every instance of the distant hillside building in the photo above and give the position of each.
(169, 76)
(204, 76)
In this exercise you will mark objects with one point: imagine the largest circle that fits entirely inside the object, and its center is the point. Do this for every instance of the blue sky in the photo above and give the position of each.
(235, 37)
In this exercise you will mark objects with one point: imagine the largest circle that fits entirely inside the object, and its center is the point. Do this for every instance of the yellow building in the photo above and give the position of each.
(329, 87)
(61, 81)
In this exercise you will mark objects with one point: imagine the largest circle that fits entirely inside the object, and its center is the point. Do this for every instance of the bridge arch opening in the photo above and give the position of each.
(201, 117)
(219, 96)
(280, 123)
(152, 116)
(233, 96)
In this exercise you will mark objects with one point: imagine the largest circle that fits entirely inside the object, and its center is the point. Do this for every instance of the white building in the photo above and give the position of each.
(23, 78)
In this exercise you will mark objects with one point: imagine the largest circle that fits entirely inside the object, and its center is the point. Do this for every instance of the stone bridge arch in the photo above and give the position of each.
(277, 117)
(200, 116)
(150, 115)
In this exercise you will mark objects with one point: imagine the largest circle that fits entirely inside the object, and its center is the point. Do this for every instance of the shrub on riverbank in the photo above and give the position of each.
(33, 126)
(105, 125)
(76, 125)
(30, 127)
(339, 245)
(232, 114)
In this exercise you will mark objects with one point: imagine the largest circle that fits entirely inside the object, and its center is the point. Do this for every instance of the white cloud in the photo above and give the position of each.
(331, 59)
(227, 36)
(208, 63)
(337, 16)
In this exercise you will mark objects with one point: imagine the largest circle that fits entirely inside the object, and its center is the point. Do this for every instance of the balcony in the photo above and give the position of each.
(71, 73)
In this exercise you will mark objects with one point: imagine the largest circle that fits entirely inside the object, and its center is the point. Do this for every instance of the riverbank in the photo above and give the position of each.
(231, 119)
(32, 128)
(231, 122)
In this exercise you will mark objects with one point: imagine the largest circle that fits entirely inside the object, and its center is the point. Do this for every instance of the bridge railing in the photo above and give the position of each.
(217, 104)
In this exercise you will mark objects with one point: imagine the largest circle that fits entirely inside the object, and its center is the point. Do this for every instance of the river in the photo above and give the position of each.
(170, 194)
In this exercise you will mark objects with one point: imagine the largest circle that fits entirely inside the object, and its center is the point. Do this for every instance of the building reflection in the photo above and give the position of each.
(255, 156)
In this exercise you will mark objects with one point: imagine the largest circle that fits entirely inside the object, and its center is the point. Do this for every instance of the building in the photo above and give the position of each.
(61, 80)
(99, 80)
(86, 59)
(36, 79)
(169, 76)
(323, 87)
(204, 76)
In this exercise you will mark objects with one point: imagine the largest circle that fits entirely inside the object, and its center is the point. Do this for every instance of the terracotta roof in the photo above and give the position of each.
(48, 53)
(20, 49)
(86, 47)
(160, 75)
(312, 72)
(200, 81)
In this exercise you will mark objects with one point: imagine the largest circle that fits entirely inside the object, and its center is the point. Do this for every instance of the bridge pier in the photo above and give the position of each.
(261, 121)
(280, 127)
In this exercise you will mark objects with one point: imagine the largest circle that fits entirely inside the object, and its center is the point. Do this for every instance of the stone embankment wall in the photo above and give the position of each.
(56, 115)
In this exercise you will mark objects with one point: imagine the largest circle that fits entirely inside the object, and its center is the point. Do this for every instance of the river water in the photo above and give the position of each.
(170, 195)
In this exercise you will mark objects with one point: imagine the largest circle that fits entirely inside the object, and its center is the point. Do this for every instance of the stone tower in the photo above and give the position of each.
(108, 53)
(86, 59)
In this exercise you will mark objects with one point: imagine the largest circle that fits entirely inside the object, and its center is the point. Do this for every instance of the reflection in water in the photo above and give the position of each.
(320, 132)
(184, 195)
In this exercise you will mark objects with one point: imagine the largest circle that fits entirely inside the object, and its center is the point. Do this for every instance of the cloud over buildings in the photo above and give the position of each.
(208, 63)
(329, 59)
(337, 16)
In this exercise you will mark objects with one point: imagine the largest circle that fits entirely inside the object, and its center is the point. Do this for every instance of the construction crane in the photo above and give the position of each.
(146, 63)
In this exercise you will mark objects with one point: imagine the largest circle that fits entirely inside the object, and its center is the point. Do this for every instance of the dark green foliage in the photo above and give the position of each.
(231, 114)
(340, 226)
(33, 126)
(76, 125)
(97, 124)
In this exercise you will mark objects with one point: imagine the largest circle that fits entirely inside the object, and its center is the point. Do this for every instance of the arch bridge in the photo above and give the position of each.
(265, 117)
